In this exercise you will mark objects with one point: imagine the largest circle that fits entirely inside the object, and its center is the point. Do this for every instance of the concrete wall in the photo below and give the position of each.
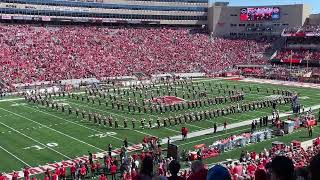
(314, 19)
(224, 20)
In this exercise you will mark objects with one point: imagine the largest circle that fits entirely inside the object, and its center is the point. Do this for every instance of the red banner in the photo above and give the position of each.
(294, 61)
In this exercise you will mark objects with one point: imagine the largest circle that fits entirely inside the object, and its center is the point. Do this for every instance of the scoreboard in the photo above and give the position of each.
(260, 14)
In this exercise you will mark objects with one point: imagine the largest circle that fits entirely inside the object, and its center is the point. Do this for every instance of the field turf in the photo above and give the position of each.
(33, 135)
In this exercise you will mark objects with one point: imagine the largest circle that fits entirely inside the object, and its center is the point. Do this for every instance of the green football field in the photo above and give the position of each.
(34, 135)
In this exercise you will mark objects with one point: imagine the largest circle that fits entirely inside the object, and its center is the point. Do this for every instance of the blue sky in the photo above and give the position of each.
(315, 4)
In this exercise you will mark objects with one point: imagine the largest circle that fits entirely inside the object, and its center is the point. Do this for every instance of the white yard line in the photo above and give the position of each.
(11, 99)
(172, 130)
(34, 140)
(15, 156)
(195, 126)
(53, 129)
(143, 133)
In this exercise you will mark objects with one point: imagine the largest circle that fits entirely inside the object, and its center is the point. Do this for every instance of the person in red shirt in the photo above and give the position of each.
(237, 169)
(93, 169)
(47, 173)
(251, 168)
(184, 132)
(135, 156)
(63, 172)
(98, 166)
(113, 171)
(142, 156)
(103, 177)
(83, 171)
(225, 125)
(1, 176)
(145, 140)
(198, 172)
(133, 173)
(57, 172)
(128, 176)
(26, 173)
(55, 176)
(73, 171)
(15, 176)
(46, 177)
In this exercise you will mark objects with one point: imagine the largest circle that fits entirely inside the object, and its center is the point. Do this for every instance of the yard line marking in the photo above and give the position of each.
(195, 126)
(172, 130)
(229, 118)
(143, 133)
(75, 123)
(34, 140)
(52, 129)
(213, 137)
(15, 156)
(12, 99)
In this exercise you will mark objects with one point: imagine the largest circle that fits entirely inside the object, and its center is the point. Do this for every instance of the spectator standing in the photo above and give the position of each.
(174, 168)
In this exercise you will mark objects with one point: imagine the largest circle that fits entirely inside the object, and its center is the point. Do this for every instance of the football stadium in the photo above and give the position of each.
(159, 89)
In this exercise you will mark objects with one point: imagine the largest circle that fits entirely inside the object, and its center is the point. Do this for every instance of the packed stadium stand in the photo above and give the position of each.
(301, 46)
(39, 53)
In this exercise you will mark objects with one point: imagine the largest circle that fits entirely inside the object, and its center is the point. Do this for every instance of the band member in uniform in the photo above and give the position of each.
(125, 123)
(83, 114)
(142, 123)
(158, 123)
(116, 123)
(165, 122)
(110, 121)
(150, 123)
(89, 116)
(225, 125)
(133, 122)
(77, 113)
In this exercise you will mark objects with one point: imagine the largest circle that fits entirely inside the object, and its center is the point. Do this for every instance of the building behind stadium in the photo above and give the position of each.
(219, 18)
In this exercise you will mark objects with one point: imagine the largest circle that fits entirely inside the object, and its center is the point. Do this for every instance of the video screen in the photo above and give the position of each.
(260, 14)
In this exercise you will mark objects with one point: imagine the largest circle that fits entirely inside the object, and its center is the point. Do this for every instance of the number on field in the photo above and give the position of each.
(38, 147)
(52, 144)
(103, 135)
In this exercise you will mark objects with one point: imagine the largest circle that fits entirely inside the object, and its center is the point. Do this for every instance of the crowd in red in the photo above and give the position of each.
(32, 53)
(250, 166)
(288, 54)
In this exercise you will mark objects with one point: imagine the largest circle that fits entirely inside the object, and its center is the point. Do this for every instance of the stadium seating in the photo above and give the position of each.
(298, 54)
(32, 53)
(302, 31)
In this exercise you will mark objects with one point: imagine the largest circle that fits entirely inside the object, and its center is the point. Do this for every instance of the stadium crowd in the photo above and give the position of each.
(288, 54)
(280, 162)
(32, 53)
